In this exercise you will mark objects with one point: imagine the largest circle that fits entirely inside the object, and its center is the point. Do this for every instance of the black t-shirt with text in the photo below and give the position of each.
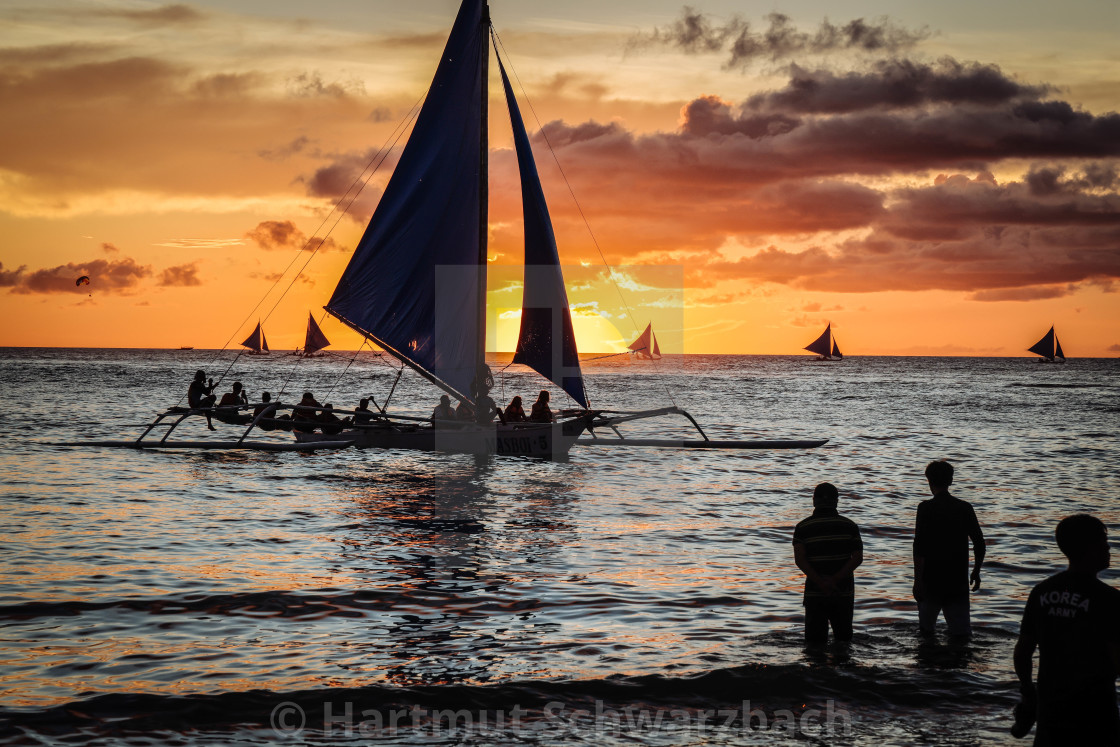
(1073, 617)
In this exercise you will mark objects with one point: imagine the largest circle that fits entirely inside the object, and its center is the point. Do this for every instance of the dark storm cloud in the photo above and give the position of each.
(345, 177)
(888, 140)
(896, 83)
(694, 32)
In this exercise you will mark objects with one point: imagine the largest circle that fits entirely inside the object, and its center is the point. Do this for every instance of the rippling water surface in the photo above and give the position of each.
(182, 597)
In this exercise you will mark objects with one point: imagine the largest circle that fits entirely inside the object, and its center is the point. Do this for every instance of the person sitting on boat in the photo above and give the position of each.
(541, 412)
(305, 416)
(200, 395)
(332, 424)
(233, 401)
(486, 409)
(268, 412)
(443, 410)
(515, 413)
(363, 415)
(464, 411)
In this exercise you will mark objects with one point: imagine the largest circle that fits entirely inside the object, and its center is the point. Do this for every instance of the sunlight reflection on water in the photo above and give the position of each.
(210, 572)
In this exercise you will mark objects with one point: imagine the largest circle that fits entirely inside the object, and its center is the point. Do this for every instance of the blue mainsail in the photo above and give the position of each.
(414, 285)
(546, 342)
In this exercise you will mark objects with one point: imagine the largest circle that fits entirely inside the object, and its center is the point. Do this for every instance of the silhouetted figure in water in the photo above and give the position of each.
(200, 395)
(827, 548)
(942, 530)
(1073, 619)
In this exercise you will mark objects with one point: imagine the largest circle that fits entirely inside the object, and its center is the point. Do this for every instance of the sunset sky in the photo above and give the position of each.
(931, 178)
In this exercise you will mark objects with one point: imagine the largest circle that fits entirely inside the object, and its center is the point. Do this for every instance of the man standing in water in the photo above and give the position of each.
(827, 548)
(1074, 620)
(943, 527)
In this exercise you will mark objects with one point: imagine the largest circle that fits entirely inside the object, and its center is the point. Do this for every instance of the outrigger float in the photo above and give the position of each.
(415, 287)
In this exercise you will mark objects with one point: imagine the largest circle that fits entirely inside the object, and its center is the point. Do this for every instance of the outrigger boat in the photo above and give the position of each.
(825, 347)
(256, 342)
(313, 342)
(1049, 348)
(416, 287)
(645, 347)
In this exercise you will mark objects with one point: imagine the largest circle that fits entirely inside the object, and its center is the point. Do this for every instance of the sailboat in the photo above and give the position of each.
(1049, 348)
(646, 347)
(313, 341)
(415, 287)
(256, 342)
(825, 346)
(416, 283)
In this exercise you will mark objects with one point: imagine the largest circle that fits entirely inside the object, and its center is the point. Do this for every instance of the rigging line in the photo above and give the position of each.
(356, 352)
(556, 159)
(384, 151)
(284, 386)
(608, 355)
(586, 223)
(363, 181)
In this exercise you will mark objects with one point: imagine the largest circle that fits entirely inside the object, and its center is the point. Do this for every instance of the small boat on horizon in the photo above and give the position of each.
(313, 342)
(256, 342)
(825, 347)
(187, 347)
(1049, 348)
(645, 347)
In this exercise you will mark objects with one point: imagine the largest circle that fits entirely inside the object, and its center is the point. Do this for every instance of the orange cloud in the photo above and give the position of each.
(275, 234)
(105, 276)
(180, 276)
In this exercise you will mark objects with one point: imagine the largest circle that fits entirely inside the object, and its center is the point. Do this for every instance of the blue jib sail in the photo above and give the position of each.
(413, 284)
(546, 342)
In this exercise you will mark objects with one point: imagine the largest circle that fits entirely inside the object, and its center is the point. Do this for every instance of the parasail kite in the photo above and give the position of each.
(83, 280)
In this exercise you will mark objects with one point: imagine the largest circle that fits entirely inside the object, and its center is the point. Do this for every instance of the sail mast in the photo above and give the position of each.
(483, 186)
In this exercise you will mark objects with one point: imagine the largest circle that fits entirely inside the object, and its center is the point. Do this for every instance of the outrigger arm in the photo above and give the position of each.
(611, 419)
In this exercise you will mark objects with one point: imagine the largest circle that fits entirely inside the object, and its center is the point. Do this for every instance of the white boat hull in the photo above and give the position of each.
(540, 440)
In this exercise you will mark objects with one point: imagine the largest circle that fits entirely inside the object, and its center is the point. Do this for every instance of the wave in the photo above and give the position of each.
(943, 682)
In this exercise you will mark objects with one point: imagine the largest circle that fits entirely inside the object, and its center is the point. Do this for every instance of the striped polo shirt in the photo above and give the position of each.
(830, 540)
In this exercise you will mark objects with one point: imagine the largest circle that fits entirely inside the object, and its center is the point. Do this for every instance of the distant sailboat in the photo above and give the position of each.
(646, 347)
(1049, 348)
(314, 341)
(825, 346)
(256, 342)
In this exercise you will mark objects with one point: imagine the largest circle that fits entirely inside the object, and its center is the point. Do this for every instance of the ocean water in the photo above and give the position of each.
(622, 596)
